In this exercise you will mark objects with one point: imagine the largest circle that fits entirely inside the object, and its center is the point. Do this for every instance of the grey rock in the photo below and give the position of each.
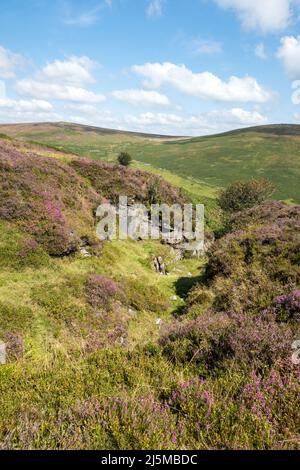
(2, 353)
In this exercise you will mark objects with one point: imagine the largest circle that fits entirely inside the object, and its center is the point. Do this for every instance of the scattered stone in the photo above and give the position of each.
(85, 253)
(174, 297)
(2, 353)
(132, 313)
(189, 275)
(159, 265)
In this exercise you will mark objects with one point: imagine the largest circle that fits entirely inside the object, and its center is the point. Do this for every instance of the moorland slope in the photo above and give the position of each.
(103, 352)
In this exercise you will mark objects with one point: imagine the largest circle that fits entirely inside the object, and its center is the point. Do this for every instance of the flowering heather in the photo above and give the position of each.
(45, 198)
(100, 291)
(288, 306)
(28, 247)
(113, 180)
(254, 340)
(147, 421)
(54, 211)
(204, 340)
(273, 397)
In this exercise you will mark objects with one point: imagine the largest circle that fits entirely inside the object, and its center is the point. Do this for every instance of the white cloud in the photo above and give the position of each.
(25, 106)
(202, 46)
(141, 97)
(73, 71)
(204, 123)
(26, 111)
(296, 93)
(203, 85)
(154, 8)
(238, 116)
(154, 119)
(265, 15)
(44, 90)
(90, 115)
(260, 51)
(289, 53)
(82, 108)
(62, 80)
(82, 19)
(11, 116)
(9, 62)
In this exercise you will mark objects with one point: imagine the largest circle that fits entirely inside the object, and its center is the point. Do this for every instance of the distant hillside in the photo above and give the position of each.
(270, 151)
(20, 129)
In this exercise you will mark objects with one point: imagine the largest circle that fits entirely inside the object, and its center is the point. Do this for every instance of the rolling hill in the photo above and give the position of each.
(214, 161)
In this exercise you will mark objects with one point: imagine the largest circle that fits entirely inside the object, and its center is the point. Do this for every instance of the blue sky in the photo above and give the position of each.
(189, 67)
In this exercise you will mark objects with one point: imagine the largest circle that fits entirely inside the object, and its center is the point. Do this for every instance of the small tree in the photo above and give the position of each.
(245, 194)
(124, 158)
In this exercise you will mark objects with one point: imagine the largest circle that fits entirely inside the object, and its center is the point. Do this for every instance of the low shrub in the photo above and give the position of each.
(202, 341)
(244, 194)
(212, 339)
(287, 307)
(101, 291)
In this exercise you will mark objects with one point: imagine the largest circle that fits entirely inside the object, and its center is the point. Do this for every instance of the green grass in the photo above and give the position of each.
(55, 293)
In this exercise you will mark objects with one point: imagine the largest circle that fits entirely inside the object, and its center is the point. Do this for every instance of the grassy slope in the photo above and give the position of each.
(212, 162)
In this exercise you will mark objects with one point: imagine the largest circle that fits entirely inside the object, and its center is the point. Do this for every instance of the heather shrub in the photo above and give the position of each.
(101, 291)
(244, 194)
(255, 263)
(255, 340)
(32, 254)
(201, 341)
(272, 400)
(45, 199)
(14, 346)
(248, 290)
(287, 306)
(212, 339)
(147, 422)
(269, 213)
(112, 181)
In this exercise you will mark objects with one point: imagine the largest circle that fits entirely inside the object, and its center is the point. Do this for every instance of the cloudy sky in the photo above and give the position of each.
(180, 67)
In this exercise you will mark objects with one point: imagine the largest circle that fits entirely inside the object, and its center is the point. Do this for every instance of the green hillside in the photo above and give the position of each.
(270, 151)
